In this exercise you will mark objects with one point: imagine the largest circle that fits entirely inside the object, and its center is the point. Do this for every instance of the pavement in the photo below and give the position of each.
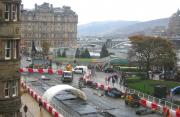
(100, 78)
(33, 107)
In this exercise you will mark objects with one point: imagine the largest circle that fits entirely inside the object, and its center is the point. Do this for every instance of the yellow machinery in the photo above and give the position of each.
(67, 75)
(69, 67)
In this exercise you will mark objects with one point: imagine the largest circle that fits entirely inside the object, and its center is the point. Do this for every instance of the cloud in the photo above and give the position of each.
(100, 10)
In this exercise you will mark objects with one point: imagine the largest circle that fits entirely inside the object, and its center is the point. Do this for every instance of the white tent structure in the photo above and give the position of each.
(51, 92)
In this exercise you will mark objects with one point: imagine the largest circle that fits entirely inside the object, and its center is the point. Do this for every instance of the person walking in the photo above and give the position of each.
(106, 80)
(113, 81)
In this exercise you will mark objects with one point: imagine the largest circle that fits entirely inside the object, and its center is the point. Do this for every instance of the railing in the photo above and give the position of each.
(150, 98)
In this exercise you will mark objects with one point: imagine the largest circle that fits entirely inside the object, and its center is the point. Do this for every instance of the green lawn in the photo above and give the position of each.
(147, 86)
(77, 59)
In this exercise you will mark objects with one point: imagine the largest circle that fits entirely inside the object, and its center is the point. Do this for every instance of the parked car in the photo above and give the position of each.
(132, 100)
(28, 59)
(108, 70)
(80, 69)
(114, 92)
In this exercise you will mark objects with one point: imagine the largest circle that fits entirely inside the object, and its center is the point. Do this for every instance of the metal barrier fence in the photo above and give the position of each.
(153, 99)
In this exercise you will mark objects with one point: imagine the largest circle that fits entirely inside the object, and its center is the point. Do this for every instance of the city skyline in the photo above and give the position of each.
(108, 10)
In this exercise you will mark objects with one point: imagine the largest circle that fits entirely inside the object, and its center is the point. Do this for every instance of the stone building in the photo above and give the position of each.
(10, 100)
(58, 26)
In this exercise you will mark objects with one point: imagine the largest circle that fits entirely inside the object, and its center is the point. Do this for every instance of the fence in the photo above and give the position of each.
(150, 98)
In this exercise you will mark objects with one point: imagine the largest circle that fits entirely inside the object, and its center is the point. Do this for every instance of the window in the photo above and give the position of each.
(8, 50)
(6, 89)
(14, 12)
(7, 12)
(15, 49)
(14, 88)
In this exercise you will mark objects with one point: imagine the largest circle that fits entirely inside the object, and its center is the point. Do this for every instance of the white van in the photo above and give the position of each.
(81, 69)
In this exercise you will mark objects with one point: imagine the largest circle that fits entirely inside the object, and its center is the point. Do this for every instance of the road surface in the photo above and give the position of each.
(113, 106)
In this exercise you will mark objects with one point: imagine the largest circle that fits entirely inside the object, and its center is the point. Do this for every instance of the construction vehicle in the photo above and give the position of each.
(69, 67)
(132, 100)
(67, 75)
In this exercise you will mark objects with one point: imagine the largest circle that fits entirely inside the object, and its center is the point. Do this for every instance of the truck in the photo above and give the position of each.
(67, 75)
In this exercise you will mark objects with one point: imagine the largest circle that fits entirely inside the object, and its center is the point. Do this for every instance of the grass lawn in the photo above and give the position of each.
(147, 86)
(77, 59)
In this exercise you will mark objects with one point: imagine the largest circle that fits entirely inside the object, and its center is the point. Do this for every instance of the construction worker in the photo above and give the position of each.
(168, 114)
(130, 98)
(178, 112)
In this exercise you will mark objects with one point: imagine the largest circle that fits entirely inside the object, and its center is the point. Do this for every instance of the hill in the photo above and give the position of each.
(119, 27)
(96, 28)
(142, 26)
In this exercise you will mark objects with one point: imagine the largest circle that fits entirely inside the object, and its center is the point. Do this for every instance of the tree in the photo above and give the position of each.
(82, 53)
(78, 53)
(104, 52)
(64, 53)
(45, 47)
(59, 53)
(87, 54)
(153, 52)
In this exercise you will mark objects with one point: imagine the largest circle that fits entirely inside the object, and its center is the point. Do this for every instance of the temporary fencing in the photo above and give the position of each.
(162, 106)
(40, 70)
(156, 104)
(39, 99)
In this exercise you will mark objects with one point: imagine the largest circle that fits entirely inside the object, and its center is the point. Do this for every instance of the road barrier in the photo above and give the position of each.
(162, 106)
(40, 100)
(146, 100)
(101, 86)
(40, 70)
(157, 104)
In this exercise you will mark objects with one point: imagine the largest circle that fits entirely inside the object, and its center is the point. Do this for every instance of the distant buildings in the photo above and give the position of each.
(174, 25)
(10, 100)
(157, 31)
(58, 26)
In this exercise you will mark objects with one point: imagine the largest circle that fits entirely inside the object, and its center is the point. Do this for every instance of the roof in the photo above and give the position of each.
(118, 61)
(52, 91)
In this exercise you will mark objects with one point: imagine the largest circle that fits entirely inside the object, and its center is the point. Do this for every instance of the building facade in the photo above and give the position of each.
(10, 100)
(58, 26)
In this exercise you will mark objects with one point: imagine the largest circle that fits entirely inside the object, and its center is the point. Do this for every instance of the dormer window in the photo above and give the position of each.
(7, 12)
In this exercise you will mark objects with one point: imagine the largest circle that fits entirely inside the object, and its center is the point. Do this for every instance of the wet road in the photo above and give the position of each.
(103, 103)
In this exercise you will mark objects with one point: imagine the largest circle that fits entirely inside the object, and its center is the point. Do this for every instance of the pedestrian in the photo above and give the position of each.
(109, 77)
(40, 105)
(106, 80)
(115, 77)
(113, 81)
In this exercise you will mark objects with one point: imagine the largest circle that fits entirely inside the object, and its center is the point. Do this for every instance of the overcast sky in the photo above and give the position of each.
(106, 10)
